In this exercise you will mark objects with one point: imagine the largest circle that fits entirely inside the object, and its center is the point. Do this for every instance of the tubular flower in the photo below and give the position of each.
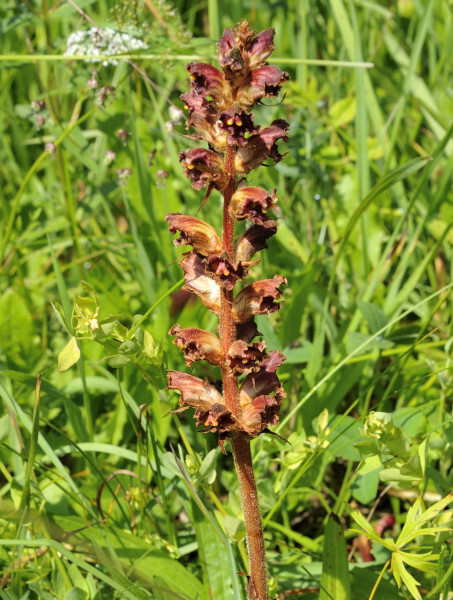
(237, 126)
(204, 167)
(209, 83)
(252, 203)
(201, 236)
(210, 409)
(265, 81)
(198, 282)
(259, 298)
(219, 104)
(259, 407)
(261, 146)
(197, 344)
(244, 358)
(254, 240)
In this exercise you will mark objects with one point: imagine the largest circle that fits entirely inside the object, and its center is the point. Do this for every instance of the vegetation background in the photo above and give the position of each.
(105, 494)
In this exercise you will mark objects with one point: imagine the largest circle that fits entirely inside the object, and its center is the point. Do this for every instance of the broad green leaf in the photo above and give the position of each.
(69, 355)
(335, 582)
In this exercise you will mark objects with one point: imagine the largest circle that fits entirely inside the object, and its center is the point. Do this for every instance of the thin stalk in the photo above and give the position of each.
(257, 587)
(379, 579)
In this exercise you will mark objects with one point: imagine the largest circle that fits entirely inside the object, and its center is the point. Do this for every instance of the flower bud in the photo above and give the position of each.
(197, 344)
(259, 298)
(197, 233)
(198, 282)
(252, 203)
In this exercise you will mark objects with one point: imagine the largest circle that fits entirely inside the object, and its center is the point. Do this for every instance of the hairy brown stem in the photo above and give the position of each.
(257, 587)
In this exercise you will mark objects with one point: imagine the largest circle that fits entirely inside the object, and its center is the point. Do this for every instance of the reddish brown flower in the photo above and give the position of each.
(247, 331)
(252, 203)
(224, 271)
(254, 240)
(260, 414)
(210, 409)
(260, 48)
(261, 146)
(237, 126)
(240, 51)
(265, 81)
(243, 358)
(209, 82)
(202, 116)
(197, 233)
(198, 282)
(197, 344)
(204, 167)
(258, 299)
(259, 407)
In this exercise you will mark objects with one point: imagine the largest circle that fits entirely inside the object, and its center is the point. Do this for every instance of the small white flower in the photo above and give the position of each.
(96, 42)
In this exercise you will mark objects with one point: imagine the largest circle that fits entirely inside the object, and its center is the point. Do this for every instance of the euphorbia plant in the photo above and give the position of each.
(220, 104)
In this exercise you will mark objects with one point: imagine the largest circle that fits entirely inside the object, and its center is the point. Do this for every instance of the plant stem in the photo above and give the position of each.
(257, 587)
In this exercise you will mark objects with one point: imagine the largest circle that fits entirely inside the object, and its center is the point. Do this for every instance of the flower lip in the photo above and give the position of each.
(237, 125)
(258, 298)
(224, 271)
(252, 203)
(204, 167)
(197, 344)
(197, 233)
(243, 358)
(198, 282)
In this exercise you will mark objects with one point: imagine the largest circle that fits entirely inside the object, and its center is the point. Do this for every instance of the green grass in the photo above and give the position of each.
(365, 240)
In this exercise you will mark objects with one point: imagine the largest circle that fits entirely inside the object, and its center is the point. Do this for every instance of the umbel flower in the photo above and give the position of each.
(246, 401)
(219, 105)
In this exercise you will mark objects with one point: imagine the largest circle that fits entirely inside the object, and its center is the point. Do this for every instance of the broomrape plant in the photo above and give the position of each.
(220, 105)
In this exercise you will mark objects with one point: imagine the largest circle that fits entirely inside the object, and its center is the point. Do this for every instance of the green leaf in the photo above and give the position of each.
(69, 355)
(343, 111)
(335, 582)
(234, 527)
(207, 472)
(374, 316)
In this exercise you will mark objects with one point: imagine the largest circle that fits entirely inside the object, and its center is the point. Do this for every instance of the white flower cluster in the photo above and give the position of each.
(101, 42)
